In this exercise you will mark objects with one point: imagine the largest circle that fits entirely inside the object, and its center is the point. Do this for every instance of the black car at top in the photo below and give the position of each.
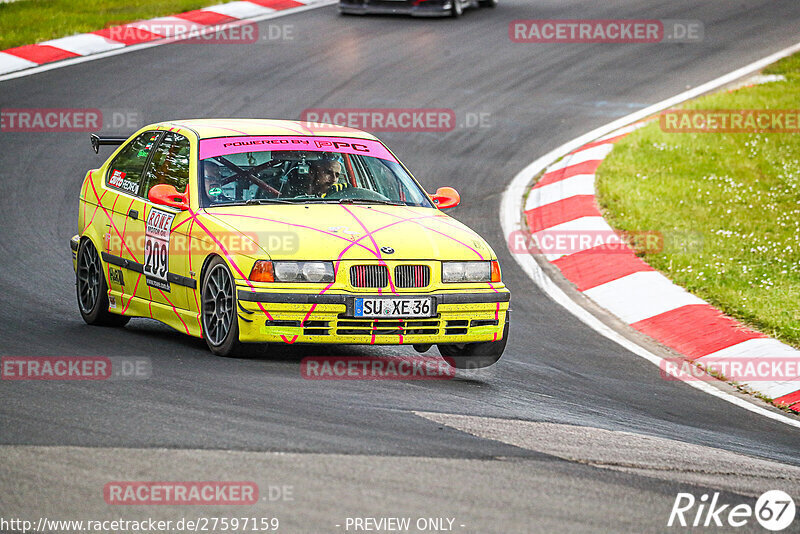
(418, 8)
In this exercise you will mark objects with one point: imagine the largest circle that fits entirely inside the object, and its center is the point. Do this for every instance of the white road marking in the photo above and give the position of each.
(240, 10)
(595, 153)
(581, 184)
(10, 63)
(575, 236)
(168, 26)
(756, 349)
(640, 296)
(84, 43)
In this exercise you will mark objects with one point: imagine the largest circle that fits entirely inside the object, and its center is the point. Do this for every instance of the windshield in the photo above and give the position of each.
(233, 172)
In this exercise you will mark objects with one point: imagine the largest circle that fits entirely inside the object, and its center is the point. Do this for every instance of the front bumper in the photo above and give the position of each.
(74, 244)
(270, 317)
(429, 8)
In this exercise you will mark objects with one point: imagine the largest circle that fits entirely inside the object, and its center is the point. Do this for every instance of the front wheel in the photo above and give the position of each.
(218, 303)
(474, 355)
(456, 9)
(92, 289)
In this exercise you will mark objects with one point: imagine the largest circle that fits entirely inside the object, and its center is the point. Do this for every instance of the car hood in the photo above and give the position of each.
(328, 232)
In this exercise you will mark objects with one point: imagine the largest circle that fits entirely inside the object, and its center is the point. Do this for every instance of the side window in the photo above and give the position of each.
(125, 172)
(170, 164)
(384, 179)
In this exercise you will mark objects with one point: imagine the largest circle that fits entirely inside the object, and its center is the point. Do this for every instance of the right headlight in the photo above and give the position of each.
(292, 271)
(470, 271)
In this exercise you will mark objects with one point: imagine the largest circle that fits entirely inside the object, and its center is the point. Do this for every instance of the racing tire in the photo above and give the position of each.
(456, 9)
(92, 289)
(487, 3)
(220, 319)
(474, 355)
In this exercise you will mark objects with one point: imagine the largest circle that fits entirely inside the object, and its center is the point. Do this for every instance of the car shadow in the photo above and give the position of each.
(160, 341)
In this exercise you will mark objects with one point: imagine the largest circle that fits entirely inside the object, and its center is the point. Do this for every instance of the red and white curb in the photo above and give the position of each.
(511, 211)
(563, 200)
(149, 31)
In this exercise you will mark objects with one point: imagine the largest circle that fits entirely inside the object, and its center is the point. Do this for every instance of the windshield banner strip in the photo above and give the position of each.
(223, 146)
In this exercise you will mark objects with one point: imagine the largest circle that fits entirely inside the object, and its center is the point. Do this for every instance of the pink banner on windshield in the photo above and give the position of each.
(223, 146)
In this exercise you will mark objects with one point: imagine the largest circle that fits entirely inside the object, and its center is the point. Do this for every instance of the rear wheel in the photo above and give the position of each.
(220, 319)
(456, 9)
(487, 3)
(92, 289)
(474, 355)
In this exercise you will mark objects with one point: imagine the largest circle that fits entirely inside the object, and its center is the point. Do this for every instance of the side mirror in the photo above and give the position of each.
(167, 195)
(446, 197)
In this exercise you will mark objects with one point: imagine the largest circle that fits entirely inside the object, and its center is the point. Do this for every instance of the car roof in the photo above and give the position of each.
(210, 128)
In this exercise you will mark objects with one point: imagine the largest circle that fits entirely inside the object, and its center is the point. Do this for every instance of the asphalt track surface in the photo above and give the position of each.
(394, 452)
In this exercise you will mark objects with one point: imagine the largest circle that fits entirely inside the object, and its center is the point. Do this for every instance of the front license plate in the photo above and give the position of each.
(419, 307)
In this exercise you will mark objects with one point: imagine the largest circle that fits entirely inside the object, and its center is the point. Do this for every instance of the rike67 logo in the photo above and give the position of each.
(774, 510)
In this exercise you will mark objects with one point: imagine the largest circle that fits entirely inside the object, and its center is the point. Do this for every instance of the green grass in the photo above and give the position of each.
(788, 66)
(728, 206)
(32, 21)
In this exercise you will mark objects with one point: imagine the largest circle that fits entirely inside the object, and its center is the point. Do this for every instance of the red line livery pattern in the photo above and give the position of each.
(160, 245)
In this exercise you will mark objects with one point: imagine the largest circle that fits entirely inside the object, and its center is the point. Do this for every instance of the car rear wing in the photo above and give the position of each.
(98, 141)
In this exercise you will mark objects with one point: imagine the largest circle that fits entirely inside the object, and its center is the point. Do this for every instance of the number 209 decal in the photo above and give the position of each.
(156, 248)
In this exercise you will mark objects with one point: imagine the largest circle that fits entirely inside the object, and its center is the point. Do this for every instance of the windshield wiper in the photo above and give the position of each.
(315, 200)
(251, 202)
(367, 200)
(268, 201)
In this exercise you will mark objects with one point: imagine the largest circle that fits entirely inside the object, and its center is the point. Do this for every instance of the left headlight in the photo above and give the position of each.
(470, 271)
(292, 271)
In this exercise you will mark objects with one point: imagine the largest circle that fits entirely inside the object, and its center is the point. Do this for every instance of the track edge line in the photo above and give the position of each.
(511, 217)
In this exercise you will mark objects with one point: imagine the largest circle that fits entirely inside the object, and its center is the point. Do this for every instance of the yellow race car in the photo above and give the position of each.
(268, 231)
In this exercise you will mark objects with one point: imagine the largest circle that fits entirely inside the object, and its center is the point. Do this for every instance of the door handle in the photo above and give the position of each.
(133, 214)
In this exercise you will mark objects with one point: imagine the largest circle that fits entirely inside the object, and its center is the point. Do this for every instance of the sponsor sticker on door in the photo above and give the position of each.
(156, 248)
